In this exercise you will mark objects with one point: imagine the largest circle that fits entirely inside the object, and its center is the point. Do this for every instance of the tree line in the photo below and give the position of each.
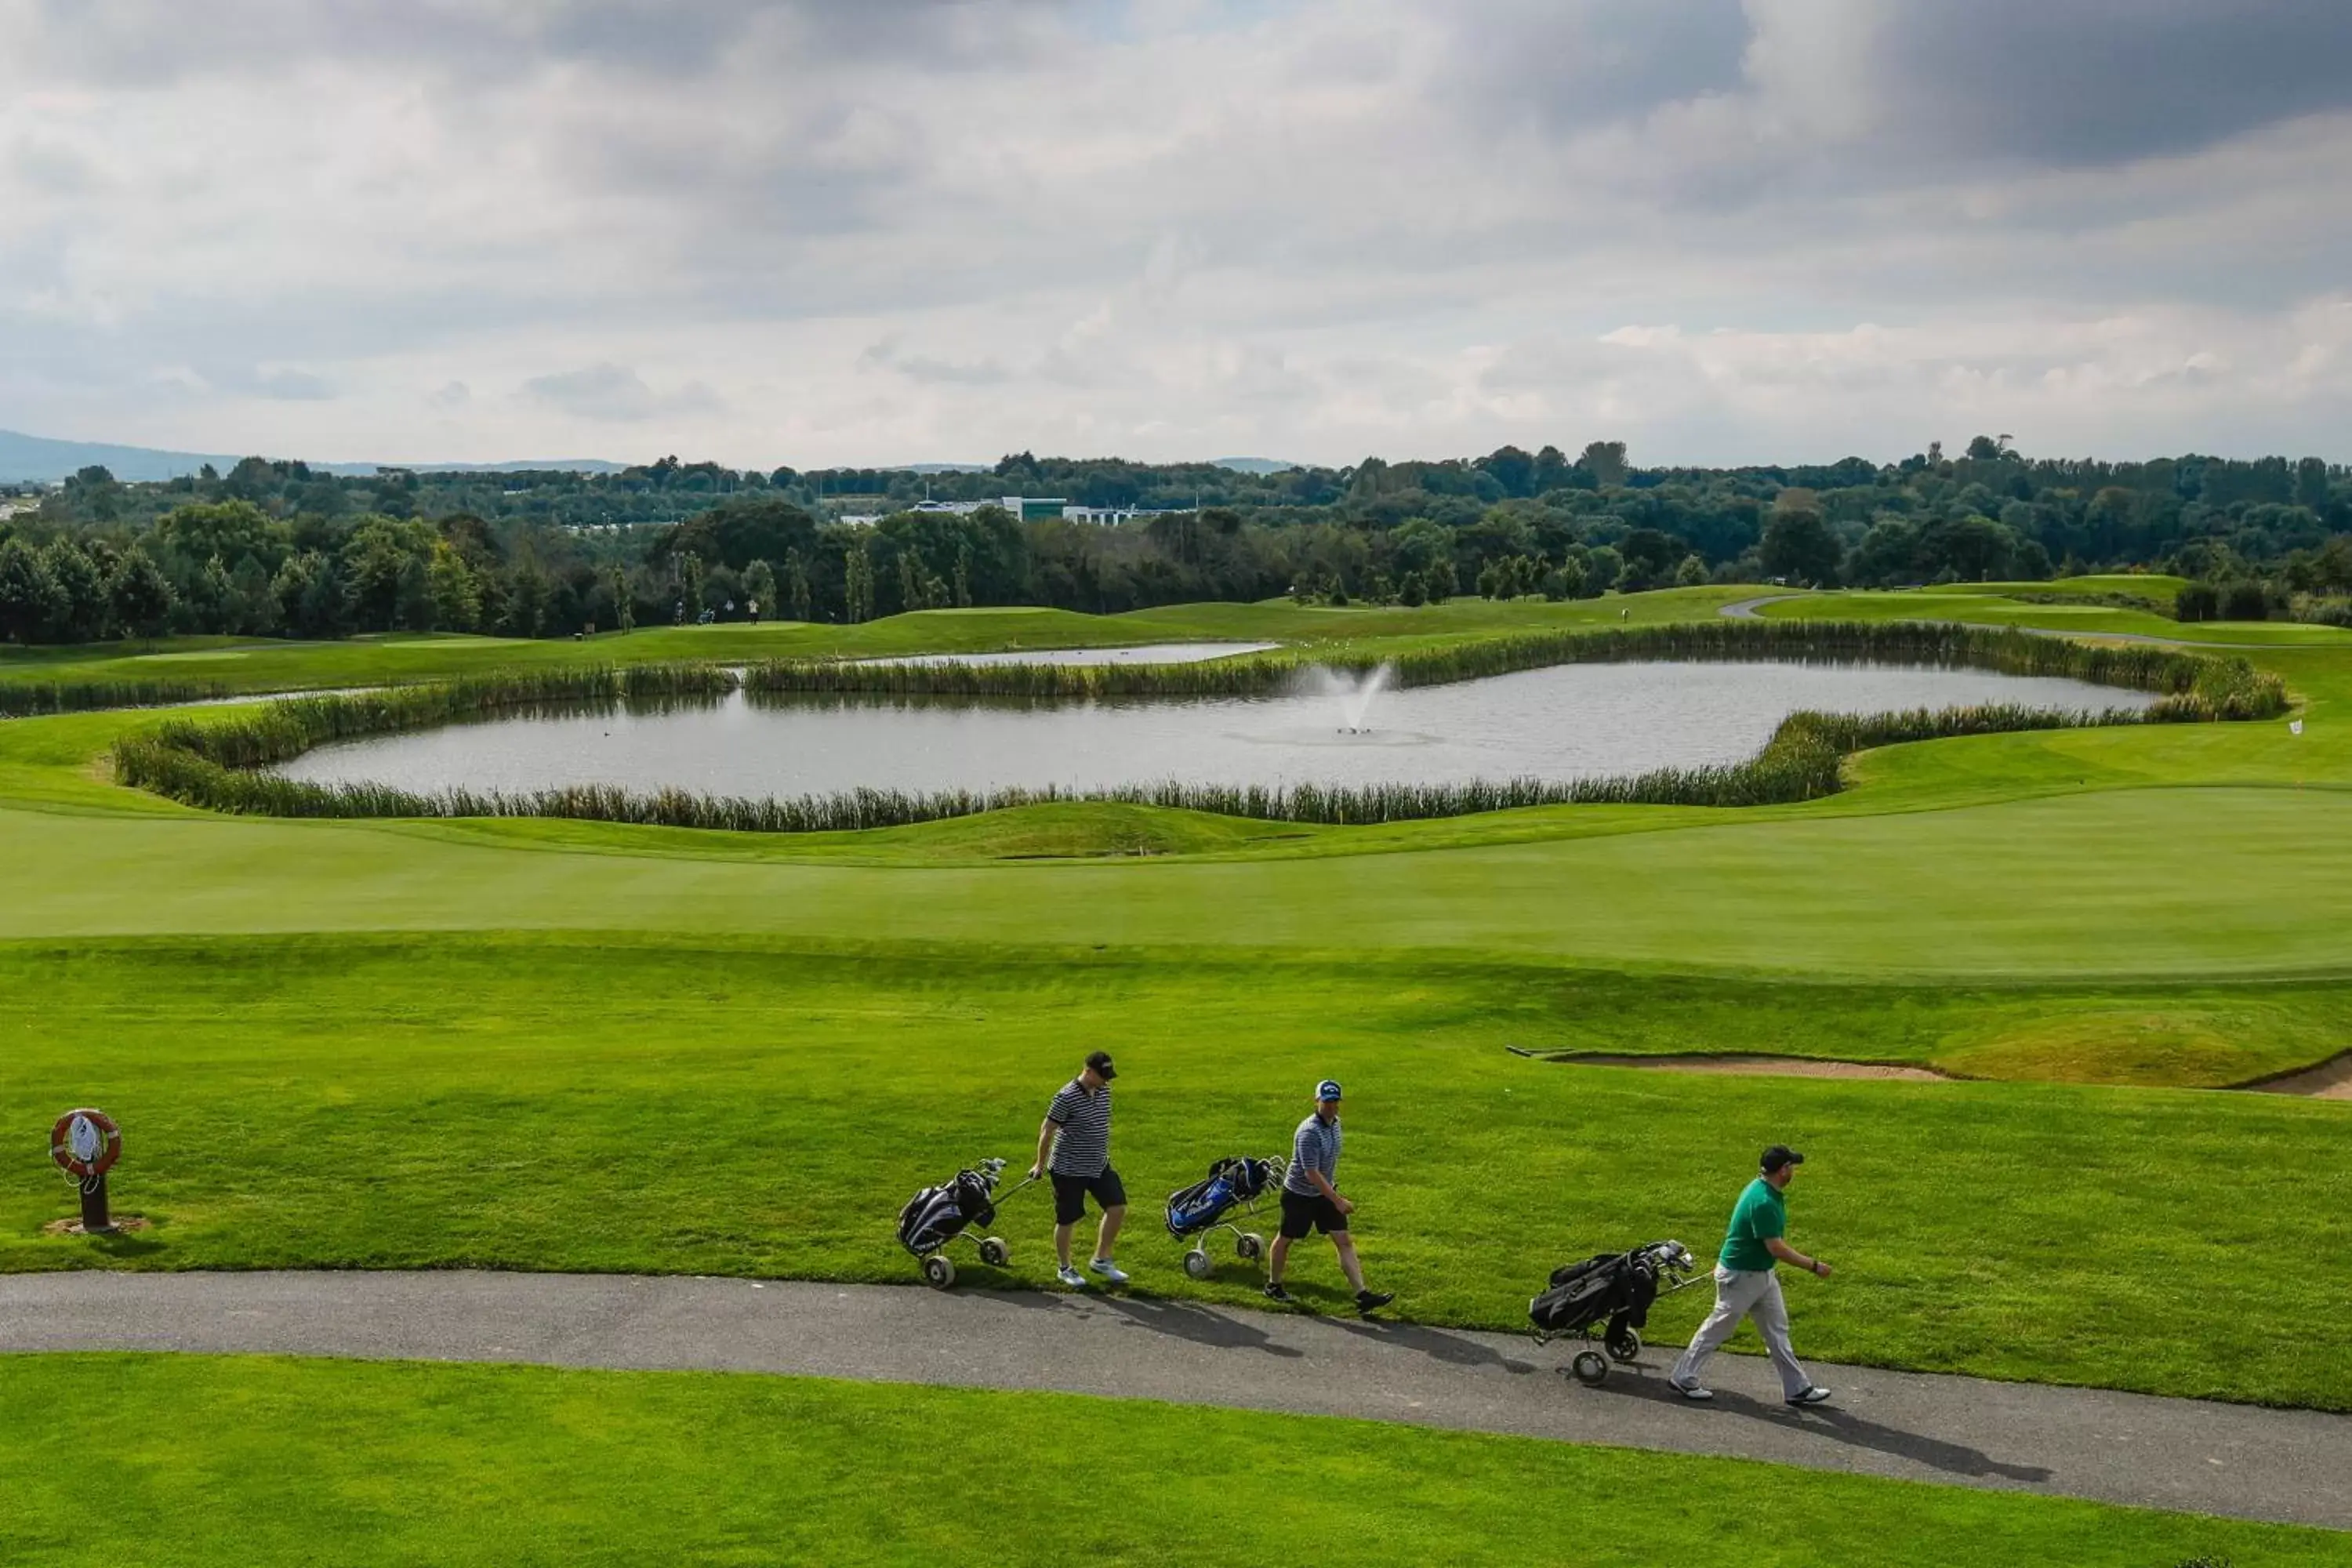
(275, 549)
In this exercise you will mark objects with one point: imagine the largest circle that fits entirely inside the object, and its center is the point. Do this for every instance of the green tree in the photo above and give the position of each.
(1605, 461)
(252, 605)
(456, 592)
(527, 601)
(26, 593)
(139, 595)
(625, 608)
(2310, 486)
(1887, 555)
(759, 588)
(910, 583)
(1798, 546)
(1692, 572)
(413, 605)
(78, 600)
(1441, 579)
(1971, 549)
(857, 592)
(691, 576)
(796, 585)
(1602, 567)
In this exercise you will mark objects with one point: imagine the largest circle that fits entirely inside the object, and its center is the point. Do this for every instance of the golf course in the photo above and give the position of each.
(2056, 1006)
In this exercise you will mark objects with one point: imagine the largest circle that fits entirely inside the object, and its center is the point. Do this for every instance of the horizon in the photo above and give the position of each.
(1953, 449)
(1726, 234)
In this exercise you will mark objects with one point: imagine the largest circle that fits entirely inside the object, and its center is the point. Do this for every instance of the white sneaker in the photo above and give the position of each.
(1071, 1277)
(1111, 1272)
(1690, 1391)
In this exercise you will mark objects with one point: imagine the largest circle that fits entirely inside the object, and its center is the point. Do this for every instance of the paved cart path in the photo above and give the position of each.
(2287, 1465)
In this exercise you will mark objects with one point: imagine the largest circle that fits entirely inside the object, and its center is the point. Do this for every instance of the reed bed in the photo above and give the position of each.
(217, 765)
(32, 699)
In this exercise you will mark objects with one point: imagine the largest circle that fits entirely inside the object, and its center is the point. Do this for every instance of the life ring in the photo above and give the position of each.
(92, 1154)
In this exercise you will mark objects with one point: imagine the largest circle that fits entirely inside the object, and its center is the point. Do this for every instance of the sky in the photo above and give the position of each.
(887, 231)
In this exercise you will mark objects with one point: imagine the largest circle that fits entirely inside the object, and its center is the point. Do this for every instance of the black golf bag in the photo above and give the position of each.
(1608, 1296)
(936, 1215)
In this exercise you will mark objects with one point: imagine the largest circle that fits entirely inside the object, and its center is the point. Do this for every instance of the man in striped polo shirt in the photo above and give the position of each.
(1073, 1148)
(1309, 1201)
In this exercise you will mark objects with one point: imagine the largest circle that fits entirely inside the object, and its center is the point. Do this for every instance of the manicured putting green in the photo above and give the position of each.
(362, 1463)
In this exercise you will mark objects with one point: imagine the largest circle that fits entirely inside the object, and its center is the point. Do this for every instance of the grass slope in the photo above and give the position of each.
(356, 1463)
(2151, 882)
(2031, 604)
(520, 1103)
(264, 665)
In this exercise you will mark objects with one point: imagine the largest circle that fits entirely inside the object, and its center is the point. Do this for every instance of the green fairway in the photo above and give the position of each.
(2146, 882)
(2042, 604)
(519, 1103)
(265, 664)
(546, 1044)
(355, 1462)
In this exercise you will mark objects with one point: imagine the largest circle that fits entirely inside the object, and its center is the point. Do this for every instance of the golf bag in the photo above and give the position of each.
(1232, 1183)
(937, 1216)
(1607, 1297)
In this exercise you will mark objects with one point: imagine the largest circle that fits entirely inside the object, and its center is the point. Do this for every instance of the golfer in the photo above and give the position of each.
(1745, 1286)
(1309, 1202)
(1073, 1147)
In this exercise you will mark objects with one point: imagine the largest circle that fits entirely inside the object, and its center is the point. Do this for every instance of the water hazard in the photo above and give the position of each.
(1564, 723)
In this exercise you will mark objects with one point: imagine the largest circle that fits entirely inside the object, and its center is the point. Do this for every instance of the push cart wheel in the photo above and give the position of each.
(939, 1272)
(994, 1253)
(1197, 1264)
(1589, 1368)
(1625, 1347)
(1250, 1245)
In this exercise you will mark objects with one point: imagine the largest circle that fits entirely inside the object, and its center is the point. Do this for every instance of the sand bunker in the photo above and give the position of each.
(2329, 1080)
(1776, 1067)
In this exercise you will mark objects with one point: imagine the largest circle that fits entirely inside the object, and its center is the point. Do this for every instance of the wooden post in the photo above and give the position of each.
(95, 1221)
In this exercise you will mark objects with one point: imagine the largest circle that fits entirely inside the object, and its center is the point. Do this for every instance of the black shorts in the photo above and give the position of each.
(1303, 1212)
(1070, 1194)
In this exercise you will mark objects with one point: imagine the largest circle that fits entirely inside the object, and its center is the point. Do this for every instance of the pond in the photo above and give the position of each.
(1563, 722)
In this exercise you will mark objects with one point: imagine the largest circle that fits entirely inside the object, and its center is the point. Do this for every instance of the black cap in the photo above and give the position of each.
(1101, 1062)
(1780, 1155)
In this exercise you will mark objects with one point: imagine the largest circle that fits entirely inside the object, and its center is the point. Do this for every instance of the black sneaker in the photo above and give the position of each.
(1371, 1301)
(1275, 1292)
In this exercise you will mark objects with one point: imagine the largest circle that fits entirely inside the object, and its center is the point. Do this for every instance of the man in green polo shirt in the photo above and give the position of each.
(1745, 1286)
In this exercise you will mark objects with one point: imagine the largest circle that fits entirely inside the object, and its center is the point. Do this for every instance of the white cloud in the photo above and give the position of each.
(823, 232)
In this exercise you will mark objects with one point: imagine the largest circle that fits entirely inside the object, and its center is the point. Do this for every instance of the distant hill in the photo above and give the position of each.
(35, 459)
(1254, 465)
(31, 460)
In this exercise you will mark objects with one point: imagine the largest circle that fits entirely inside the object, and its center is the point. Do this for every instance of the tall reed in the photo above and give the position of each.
(27, 699)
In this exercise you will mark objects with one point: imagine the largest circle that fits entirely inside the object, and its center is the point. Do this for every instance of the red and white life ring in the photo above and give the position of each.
(93, 1153)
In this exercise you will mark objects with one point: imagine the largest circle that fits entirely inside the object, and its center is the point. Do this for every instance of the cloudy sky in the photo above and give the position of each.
(837, 231)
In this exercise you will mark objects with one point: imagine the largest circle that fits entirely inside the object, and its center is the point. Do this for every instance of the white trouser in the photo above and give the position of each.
(1746, 1293)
